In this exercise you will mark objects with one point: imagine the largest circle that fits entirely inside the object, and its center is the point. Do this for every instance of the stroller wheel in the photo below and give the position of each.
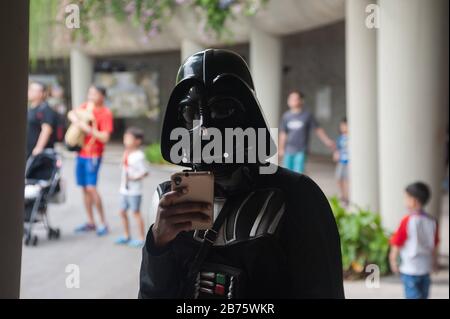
(54, 233)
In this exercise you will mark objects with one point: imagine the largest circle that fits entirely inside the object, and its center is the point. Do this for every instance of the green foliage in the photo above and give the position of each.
(363, 239)
(153, 154)
(42, 16)
(215, 13)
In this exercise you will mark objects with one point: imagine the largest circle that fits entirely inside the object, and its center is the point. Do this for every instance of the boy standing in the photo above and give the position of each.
(416, 242)
(134, 169)
(341, 157)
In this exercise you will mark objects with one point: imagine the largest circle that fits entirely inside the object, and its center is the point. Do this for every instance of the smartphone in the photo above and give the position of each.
(201, 189)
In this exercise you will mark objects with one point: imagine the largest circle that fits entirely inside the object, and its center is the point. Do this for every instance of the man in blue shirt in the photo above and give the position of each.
(296, 125)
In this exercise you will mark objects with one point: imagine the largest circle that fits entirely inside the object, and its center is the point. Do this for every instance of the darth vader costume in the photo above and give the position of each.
(274, 235)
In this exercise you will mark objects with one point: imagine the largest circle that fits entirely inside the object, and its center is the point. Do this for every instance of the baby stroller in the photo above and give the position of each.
(42, 185)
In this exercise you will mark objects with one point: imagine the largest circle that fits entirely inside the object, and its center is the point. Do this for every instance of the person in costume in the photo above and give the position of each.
(274, 235)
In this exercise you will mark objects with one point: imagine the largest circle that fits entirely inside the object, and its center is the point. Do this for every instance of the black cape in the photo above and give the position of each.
(303, 259)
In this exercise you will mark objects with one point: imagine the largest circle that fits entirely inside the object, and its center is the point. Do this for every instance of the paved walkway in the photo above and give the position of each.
(108, 271)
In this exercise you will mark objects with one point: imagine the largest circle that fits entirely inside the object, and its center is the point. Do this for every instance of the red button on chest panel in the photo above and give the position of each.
(219, 290)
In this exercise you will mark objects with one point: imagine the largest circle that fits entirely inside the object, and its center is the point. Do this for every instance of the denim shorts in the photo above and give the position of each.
(416, 287)
(130, 202)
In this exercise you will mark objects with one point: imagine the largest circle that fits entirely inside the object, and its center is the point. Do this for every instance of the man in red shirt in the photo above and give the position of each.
(97, 134)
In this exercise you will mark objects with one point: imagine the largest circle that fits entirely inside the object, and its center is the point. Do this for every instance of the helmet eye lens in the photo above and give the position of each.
(225, 108)
(221, 111)
(190, 113)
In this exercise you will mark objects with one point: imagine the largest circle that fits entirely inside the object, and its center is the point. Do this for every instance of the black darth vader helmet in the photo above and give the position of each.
(215, 89)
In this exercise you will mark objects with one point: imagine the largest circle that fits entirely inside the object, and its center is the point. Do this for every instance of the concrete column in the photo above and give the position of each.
(266, 68)
(13, 89)
(413, 100)
(361, 89)
(81, 75)
(189, 47)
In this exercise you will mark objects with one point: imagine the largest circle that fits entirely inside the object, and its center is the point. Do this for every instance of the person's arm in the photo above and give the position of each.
(336, 155)
(102, 136)
(435, 259)
(397, 241)
(48, 123)
(105, 128)
(161, 274)
(75, 120)
(138, 177)
(281, 144)
(44, 137)
(72, 116)
(323, 136)
(393, 258)
(436, 249)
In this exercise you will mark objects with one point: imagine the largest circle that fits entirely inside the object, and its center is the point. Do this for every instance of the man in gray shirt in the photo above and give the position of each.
(296, 125)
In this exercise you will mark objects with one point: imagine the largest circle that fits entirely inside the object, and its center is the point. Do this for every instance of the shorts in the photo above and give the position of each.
(130, 202)
(295, 161)
(416, 287)
(342, 171)
(87, 170)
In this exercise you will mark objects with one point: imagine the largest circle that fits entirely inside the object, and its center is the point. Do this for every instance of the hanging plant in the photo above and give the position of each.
(42, 19)
(149, 15)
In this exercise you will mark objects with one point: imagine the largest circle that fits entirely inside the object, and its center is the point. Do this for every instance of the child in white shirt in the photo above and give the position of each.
(134, 170)
(415, 241)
